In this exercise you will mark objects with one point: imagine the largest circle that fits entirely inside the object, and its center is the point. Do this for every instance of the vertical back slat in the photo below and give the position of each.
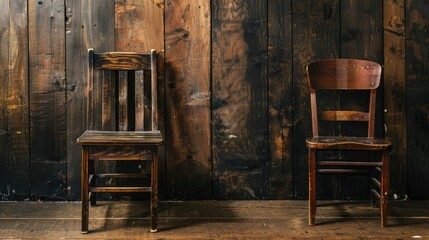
(139, 100)
(123, 101)
(108, 98)
(154, 97)
(371, 120)
(90, 87)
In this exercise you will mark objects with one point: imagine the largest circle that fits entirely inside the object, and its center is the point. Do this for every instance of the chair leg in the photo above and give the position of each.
(84, 190)
(311, 186)
(154, 192)
(384, 192)
(92, 183)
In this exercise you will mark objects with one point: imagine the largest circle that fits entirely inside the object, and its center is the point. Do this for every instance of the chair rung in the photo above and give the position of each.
(326, 170)
(376, 194)
(121, 175)
(346, 163)
(120, 189)
(376, 182)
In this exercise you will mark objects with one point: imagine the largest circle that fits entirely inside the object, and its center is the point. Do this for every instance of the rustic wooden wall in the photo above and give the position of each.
(234, 106)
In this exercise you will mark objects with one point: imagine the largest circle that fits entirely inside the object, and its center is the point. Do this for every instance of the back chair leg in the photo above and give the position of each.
(311, 186)
(154, 192)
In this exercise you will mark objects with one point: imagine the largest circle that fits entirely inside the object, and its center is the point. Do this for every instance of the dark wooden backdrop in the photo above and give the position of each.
(233, 98)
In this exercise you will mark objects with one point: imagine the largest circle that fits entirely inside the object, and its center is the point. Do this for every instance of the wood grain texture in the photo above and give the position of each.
(395, 93)
(88, 24)
(14, 120)
(417, 66)
(47, 99)
(361, 38)
(187, 69)
(315, 36)
(280, 99)
(4, 81)
(239, 104)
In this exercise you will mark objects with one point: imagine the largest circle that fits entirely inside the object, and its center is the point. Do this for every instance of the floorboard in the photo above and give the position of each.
(214, 220)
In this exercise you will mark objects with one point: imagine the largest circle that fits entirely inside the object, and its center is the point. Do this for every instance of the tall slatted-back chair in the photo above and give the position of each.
(118, 130)
(346, 75)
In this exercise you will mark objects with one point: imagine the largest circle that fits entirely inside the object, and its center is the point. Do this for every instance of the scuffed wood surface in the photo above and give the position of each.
(214, 220)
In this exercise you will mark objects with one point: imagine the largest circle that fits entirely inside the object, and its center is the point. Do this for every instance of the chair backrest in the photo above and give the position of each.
(343, 74)
(122, 91)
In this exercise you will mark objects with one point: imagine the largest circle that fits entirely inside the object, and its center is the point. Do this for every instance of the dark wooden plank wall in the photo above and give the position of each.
(417, 92)
(47, 83)
(14, 118)
(234, 105)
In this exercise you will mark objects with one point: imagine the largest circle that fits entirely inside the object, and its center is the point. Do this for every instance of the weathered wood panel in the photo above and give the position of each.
(139, 27)
(88, 24)
(47, 99)
(417, 75)
(316, 26)
(361, 38)
(4, 79)
(14, 125)
(187, 73)
(280, 168)
(239, 105)
(395, 93)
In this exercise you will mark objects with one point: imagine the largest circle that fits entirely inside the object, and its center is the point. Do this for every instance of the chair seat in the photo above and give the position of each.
(347, 143)
(91, 137)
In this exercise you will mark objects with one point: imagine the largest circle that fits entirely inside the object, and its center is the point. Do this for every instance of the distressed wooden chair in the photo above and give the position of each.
(119, 129)
(345, 75)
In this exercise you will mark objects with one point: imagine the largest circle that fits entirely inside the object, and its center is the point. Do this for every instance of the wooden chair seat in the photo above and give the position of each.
(91, 137)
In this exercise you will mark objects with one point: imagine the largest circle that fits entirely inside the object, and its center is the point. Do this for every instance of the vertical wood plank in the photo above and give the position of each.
(280, 99)
(4, 81)
(187, 52)
(315, 36)
(16, 100)
(47, 99)
(88, 24)
(395, 93)
(417, 62)
(239, 105)
(139, 27)
(362, 38)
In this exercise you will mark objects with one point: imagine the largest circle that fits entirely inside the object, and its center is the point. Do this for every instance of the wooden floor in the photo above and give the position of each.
(214, 220)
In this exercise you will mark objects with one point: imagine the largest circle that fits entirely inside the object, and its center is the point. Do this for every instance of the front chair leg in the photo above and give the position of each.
(154, 192)
(84, 190)
(311, 186)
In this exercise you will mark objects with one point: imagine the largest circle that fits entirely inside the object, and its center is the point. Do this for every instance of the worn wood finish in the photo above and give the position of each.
(4, 81)
(214, 220)
(280, 166)
(297, 32)
(327, 74)
(417, 62)
(88, 24)
(187, 69)
(395, 92)
(240, 146)
(14, 123)
(47, 99)
(315, 36)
